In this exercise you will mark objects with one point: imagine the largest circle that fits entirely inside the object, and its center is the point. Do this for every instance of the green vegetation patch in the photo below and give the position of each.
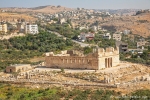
(21, 49)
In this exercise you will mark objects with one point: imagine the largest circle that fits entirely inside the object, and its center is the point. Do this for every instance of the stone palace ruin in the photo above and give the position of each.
(99, 59)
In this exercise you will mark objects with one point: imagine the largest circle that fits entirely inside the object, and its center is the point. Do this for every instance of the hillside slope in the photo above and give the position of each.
(42, 9)
(14, 17)
(139, 24)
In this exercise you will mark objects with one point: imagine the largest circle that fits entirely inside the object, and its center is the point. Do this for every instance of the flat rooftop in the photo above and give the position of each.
(18, 65)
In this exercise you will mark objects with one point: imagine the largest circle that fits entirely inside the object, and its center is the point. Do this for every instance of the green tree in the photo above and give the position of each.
(87, 50)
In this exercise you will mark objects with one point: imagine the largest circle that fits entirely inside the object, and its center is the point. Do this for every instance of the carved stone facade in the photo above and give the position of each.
(99, 59)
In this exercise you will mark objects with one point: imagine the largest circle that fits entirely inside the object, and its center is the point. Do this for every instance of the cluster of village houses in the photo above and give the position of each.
(78, 15)
(116, 36)
(21, 27)
(24, 27)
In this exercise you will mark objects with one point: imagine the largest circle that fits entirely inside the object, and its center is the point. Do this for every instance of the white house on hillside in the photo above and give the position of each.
(32, 29)
(84, 36)
(107, 36)
(117, 37)
(62, 21)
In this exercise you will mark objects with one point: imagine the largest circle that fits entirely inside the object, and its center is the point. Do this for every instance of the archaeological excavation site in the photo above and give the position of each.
(71, 69)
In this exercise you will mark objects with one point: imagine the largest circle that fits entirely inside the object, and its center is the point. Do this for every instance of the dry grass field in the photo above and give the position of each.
(15, 17)
(139, 24)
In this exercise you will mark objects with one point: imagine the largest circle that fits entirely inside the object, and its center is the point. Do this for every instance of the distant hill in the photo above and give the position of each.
(52, 9)
(37, 8)
(42, 9)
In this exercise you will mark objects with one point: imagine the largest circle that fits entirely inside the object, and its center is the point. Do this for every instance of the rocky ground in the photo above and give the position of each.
(126, 77)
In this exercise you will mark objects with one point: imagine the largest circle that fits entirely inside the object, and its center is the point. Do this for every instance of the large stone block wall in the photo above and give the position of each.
(108, 58)
(99, 59)
(10, 69)
(116, 60)
(71, 62)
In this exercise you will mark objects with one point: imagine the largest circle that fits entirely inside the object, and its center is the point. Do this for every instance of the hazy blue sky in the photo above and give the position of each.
(94, 4)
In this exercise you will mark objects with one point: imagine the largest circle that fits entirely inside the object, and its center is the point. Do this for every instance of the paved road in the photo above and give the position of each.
(80, 43)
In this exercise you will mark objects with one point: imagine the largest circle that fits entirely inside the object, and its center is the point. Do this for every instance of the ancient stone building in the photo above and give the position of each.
(99, 59)
(18, 68)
